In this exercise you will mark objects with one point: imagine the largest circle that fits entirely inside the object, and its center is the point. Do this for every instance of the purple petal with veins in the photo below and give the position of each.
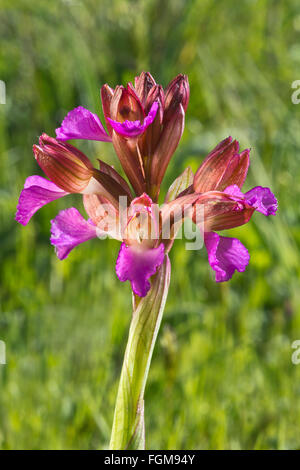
(225, 255)
(234, 191)
(262, 199)
(69, 229)
(80, 123)
(138, 266)
(37, 192)
(134, 128)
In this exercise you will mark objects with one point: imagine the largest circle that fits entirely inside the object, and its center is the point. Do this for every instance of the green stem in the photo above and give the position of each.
(128, 430)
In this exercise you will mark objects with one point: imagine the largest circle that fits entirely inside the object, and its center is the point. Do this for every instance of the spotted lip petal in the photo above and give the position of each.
(138, 266)
(225, 255)
(68, 230)
(80, 123)
(133, 129)
(36, 193)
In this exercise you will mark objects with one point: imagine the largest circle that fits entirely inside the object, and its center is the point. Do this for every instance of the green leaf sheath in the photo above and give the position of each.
(128, 427)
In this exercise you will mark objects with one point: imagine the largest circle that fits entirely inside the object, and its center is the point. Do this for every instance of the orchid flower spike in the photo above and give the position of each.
(144, 124)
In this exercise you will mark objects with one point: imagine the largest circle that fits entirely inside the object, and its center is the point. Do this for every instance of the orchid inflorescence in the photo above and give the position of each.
(144, 124)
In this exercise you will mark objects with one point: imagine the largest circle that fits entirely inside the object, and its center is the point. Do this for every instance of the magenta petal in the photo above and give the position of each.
(262, 199)
(68, 230)
(138, 266)
(134, 128)
(36, 193)
(80, 123)
(225, 255)
(234, 191)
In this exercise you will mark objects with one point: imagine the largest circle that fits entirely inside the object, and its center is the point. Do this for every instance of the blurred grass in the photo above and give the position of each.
(221, 375)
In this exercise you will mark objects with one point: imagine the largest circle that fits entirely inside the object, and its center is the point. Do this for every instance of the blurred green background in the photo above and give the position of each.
(221, 375)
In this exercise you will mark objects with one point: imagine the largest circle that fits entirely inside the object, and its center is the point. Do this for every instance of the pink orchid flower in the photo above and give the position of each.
(144, 124)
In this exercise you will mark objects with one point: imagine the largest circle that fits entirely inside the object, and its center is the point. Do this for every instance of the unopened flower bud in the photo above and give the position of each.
(177, 92)
(65, 165)
(143, 84)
